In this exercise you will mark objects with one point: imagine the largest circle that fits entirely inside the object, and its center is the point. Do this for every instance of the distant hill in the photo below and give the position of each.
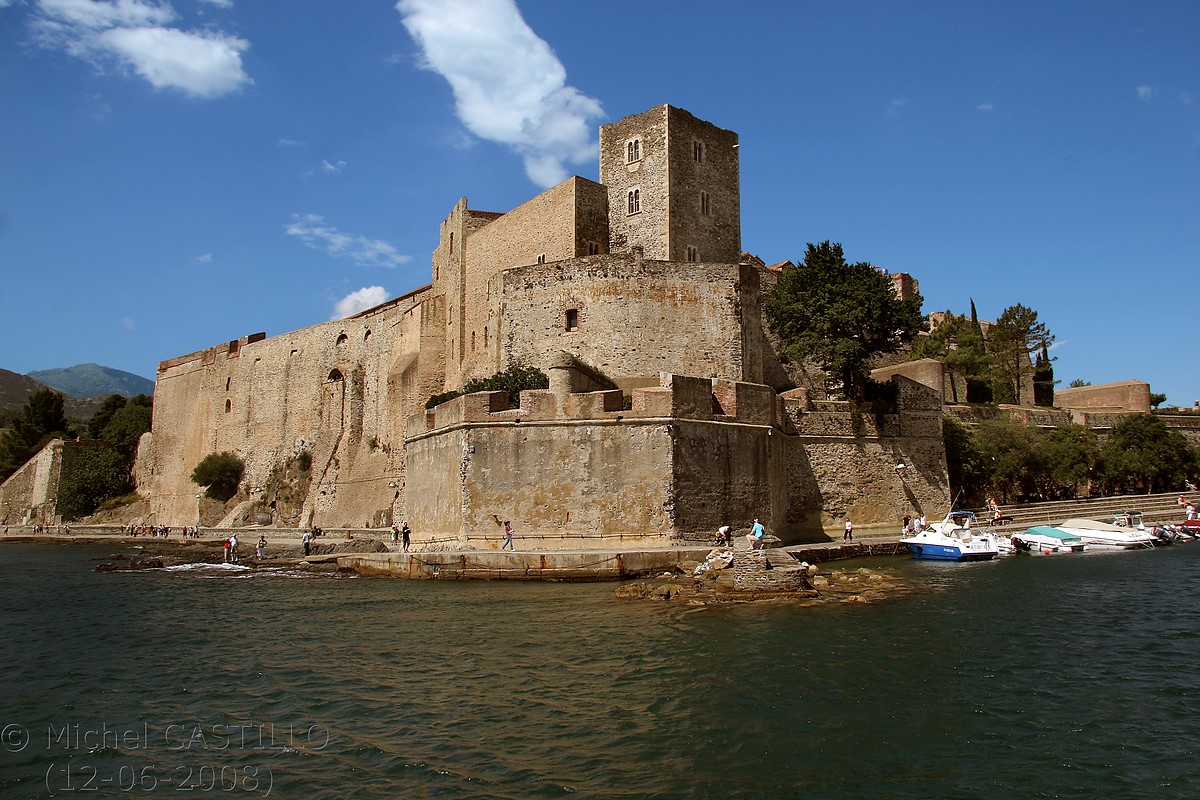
(15, 389)
(93, 380)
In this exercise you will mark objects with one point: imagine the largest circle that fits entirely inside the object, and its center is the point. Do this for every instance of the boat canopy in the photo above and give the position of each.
(1046, 530)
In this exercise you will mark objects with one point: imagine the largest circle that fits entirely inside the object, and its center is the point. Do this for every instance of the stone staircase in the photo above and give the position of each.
(1156, 509)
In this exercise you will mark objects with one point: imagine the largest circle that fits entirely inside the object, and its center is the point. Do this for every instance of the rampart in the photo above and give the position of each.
(29, 495)
(691, 454)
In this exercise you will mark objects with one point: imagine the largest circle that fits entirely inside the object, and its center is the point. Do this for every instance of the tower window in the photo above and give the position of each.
(705, 206)
(593, 248)
(541, 259)
(572, 322)
(692, 253)
(633, 151)
(697, 151)
(472, 341)
(635, 201)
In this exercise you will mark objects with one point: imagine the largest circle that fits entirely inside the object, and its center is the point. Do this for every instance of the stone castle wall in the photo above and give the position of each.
(29, 495)
(1122, 396)
(635, 318)
(692, 454)
(338, 391)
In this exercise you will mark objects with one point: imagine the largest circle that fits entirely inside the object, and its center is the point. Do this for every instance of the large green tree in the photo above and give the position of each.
(1011, 341)
(958, 344)
(840, 314)
(1013, 455)
(1069, 455)
(41, 419)
(97, 472)
(1143, 454)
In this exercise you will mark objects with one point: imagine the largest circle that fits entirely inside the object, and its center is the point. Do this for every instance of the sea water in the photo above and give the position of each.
(1069, 676)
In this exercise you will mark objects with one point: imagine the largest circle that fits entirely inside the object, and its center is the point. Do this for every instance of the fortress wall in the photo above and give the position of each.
(557, 225)
(1129, 396)
(29, 495)
(567, 481)
(325, 389)
(635, 318)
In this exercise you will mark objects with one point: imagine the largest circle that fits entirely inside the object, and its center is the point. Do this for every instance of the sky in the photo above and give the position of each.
(174, 175)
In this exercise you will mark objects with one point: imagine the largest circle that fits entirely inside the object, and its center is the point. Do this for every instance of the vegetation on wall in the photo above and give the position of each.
(220, 473)
(840, 314)
(513, 380)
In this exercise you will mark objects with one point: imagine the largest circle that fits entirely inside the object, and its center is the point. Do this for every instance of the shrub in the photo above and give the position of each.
(221, 473)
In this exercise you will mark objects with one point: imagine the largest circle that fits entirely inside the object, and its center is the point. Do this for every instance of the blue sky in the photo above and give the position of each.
(175, 175)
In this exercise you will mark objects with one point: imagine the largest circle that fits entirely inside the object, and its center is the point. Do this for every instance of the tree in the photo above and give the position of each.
(966, 465)
(125, 427)
(840, 315)
(1012, 451)
(110, 405)
(41, 419)
(513, 380)
(1157, 399)
(97, 473)
(1069, 454)
(1080, 382)
(1142, 454)
(958, 344)
(1015, 336)
(220, 473)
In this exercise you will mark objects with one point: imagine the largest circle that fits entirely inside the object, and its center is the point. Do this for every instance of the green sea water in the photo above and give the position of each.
(1064, 676)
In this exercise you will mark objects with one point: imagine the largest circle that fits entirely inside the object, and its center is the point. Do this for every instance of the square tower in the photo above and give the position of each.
(672, 186)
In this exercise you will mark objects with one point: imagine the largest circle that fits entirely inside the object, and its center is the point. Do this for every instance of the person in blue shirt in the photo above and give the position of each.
(755, 536)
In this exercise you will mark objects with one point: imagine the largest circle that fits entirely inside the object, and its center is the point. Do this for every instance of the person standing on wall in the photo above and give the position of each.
(306, 540)
(508, 532)
(405, 533)
(848, 535)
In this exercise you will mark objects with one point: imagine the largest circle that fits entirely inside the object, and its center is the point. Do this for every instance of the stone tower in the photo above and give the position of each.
(672, 186)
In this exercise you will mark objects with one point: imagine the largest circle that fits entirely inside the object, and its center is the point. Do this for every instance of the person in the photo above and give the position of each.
(1190, 511)
(848, 534)
(261, 551)
(508, 542)
(405, 533)
(1182, 501)
(994, 507)
(723, 536)
(395, 534)
(921, 524)
(306, 540)
(907, 524)
(755, 536)
(233, 548)
(227, 547)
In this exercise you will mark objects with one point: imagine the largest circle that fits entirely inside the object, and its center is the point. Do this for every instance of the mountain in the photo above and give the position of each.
(15, 389)
(93, 380)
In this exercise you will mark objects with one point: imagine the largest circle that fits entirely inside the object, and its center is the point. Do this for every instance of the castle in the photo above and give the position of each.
(660, 423)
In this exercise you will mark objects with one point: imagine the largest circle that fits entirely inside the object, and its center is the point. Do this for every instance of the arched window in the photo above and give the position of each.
(335, 375)
(633, 151)
(228, 406)
(635, 201)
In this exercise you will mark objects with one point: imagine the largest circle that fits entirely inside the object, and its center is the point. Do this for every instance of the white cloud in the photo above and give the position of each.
(508, 85)
(316, 234)
(128, 323)
(985, 107)
(360, 300)
(135, 34)
(1146, 93)
(287, 142)
(332, 168)
(895, 106)
(204, 259)
(219, 3)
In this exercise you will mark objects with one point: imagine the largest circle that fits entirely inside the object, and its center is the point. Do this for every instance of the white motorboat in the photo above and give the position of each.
(953, 540)
(1046, 540)
(1103, 534)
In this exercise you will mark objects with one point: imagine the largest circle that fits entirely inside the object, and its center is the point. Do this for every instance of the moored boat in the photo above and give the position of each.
(1044, 539)
(1103, 534)
(953, 540)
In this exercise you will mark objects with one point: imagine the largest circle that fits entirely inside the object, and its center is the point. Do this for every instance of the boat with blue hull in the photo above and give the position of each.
(952, 539)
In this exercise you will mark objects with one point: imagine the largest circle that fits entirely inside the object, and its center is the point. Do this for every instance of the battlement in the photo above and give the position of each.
(677, 397)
